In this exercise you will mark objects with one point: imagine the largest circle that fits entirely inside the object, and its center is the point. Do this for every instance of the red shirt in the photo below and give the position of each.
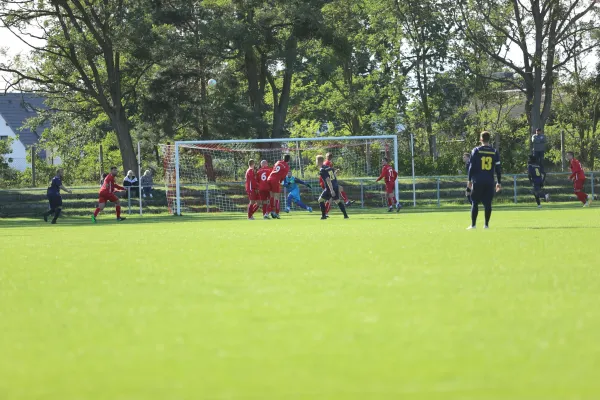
(109, 186)
(279, 172)
(251, 183)
(576, 170)
(388, 174)
(263, 175)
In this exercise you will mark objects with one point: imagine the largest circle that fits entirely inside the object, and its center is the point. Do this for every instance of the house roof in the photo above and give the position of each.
(16, 108)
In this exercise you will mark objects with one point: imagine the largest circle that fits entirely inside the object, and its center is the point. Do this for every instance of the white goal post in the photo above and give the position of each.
(208, 175)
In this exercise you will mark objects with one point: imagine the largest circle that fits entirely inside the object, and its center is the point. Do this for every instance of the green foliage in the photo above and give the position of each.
(7, 175)
(578, 113)
(138, 71)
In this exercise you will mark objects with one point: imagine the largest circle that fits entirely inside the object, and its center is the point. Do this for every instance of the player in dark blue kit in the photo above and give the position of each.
(485, 160)
(331, 188)
(467, 161)
(54, 197)
(537, 177)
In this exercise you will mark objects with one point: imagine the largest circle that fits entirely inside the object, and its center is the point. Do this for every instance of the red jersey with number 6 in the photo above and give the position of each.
(263, 175)
(388, 174)
(279, 172)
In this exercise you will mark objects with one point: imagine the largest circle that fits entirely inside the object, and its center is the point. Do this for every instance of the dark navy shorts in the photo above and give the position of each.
(55, 201)
(483, 192)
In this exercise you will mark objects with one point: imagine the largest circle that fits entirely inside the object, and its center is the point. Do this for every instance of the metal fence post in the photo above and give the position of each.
(362, 194)
(515, 187)
(438, 191)
(128, 199)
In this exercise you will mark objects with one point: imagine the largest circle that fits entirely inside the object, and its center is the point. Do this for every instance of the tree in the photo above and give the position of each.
(578, 111)
(87, 59)
(354, 77)
(547, 35)
(428, 34)
(270, 39)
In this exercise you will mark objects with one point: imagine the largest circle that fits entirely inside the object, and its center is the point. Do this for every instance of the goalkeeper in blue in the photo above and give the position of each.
(291, 183)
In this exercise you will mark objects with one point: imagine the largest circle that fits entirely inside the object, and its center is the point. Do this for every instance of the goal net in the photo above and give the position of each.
(209, 176)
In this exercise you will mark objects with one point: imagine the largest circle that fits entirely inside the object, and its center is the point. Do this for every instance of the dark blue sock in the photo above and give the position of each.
(474, 213)
(488, 215)
(342, 208)
(323, 208)
(301, 204)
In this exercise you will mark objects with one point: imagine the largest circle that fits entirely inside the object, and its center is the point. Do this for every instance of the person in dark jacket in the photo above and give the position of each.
(539, 142)
(131, 182)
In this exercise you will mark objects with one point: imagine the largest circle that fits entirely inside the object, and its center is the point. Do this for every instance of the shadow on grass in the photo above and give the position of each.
(110, 220)
(371, 213)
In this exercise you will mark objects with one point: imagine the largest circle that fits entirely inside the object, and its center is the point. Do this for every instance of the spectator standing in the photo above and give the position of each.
(539, 142)
(131, 182)
(147, 184)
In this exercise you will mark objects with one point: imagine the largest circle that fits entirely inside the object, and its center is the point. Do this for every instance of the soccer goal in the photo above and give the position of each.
(208, 176)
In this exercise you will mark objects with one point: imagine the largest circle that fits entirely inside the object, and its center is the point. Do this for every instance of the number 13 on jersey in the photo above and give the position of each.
(486, 163)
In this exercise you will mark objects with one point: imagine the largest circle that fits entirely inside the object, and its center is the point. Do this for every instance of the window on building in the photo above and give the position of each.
(3, 137)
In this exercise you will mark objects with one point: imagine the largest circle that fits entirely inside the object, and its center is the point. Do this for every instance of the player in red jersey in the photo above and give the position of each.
(264, 190)
(278, 174)
(251, 189)
(578, 178)
(389, 175)
(107, 193)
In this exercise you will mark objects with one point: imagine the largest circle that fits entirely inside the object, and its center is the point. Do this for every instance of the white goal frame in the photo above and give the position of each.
(178, 144)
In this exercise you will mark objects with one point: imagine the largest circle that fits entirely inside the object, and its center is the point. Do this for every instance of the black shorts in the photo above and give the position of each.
(55, 201)
(483, 192)
(328, 196)
(537, 187)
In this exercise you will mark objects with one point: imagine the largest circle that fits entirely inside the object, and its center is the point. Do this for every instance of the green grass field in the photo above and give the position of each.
(382, 306)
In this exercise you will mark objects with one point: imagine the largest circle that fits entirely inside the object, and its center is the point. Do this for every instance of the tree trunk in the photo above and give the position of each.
(203, 102)
(280, 108)
(254, 74)
(121, 126)
(209, 167)
(423, 94)
(355, 125)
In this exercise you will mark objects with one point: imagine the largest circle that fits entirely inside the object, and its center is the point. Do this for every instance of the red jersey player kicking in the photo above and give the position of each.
(278, 174)
(389, 175)
(578, 178)
(107, 193)
(264, 190)
(251, 189)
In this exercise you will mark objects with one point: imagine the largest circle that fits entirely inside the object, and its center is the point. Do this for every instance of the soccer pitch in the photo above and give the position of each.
(381, 306)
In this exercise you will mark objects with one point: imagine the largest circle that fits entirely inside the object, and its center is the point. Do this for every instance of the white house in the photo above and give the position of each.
(15, 109)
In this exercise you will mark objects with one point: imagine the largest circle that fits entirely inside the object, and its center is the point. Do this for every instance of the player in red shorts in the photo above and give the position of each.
(264, 190)
(578, 178)
(251, 189)
(107, 193)
(389, 175)
(278, 174)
